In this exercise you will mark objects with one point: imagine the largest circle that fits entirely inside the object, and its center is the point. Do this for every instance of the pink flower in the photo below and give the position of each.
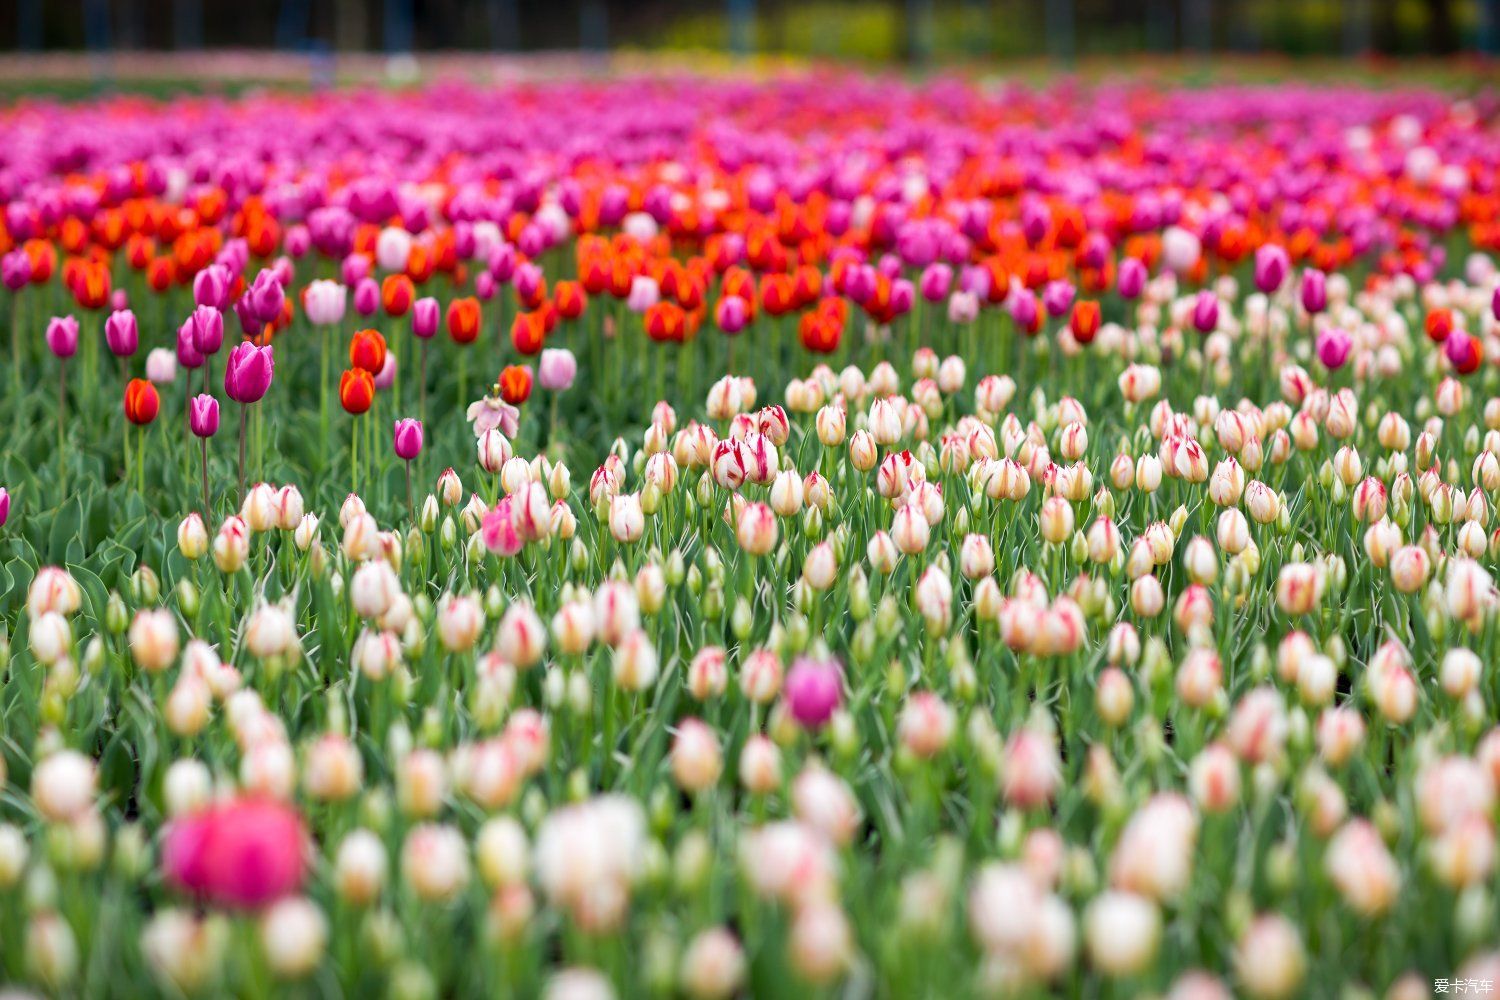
(813, 690)
(1333, 347)
(557, 369)
(498, 529)
(244, 853)
(407, 438)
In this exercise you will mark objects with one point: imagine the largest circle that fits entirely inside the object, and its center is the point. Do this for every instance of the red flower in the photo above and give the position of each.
(367, 351)
(1085, 320)
(527, 331)
(141, 402)
(463, 320)
(515, 384)
(356, 390)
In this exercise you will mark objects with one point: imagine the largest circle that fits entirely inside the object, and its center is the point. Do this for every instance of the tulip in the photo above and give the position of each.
(557, 369)
(208, 330)
(1271, 267)
(244, 853)
(141, 402)
(325, 302)
(4, 506)
(425, 316)
(121, 333)
(1333, 346)
(1314, 291)
(62, 337)
(813, 690)
(248, 375)
(515, 384)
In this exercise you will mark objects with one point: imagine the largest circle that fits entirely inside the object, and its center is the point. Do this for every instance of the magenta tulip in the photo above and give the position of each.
(249, 372)
(122, 333)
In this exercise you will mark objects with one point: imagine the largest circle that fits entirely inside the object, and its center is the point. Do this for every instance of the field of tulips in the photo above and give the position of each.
(719, 537)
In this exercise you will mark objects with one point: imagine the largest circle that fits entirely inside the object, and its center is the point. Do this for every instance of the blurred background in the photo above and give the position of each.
(78, 48)
(905, 31)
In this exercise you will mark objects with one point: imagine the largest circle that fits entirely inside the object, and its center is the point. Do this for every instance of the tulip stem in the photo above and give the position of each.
(410, 507)
(354, 455)
(422, 384)
(203, 452)
(243, 416)
(62, 416)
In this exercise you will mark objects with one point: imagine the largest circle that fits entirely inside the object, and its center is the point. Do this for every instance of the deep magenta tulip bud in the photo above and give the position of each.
(247, 377)
(1314, 291)
(367, 297)
(62, 336)
(203, 415)
(903, 296)
(407, 439)
(937, 279)
(188, 355)
(267, 296)
(813, 690)
(1132, 278)
(732, 314)
(1495, 303)
(1206, 312)
(1271, 267)
(15, 269)
(425, 316)
(1333, 346)
(4, 506)
(208, 330)
(211, 286)
(121, 333)
(1057, 297)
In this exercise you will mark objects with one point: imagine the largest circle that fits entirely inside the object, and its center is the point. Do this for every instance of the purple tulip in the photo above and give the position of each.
(356, 268)
(203, 415)
(558, 367)
(1057, 296)
(1206, 312)
(15, 269)
(208, 330)
(1333, 346)
(813, 690)
(248, 375)
(936, 280)
(485, 286)
(1023, 310)
(425, 317)
(407, 439)
(4, 506)
(62, 336)
(1495, 303)
(266, 296)
(1314, 291)
(1131, 281)
(122, 333)
(367, 297)
(903, 296)
(1271, 267)
(732, 315)
(211, 286)
(188, 355)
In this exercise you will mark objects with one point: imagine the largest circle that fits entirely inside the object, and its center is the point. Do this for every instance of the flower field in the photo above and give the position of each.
(716, 537)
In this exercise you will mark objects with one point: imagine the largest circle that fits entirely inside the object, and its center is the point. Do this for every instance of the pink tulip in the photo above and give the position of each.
(244, 853)
(557, 369)
(122, 333)
(62, 336)
(248, 375)
(813, 690)
(407, 438)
